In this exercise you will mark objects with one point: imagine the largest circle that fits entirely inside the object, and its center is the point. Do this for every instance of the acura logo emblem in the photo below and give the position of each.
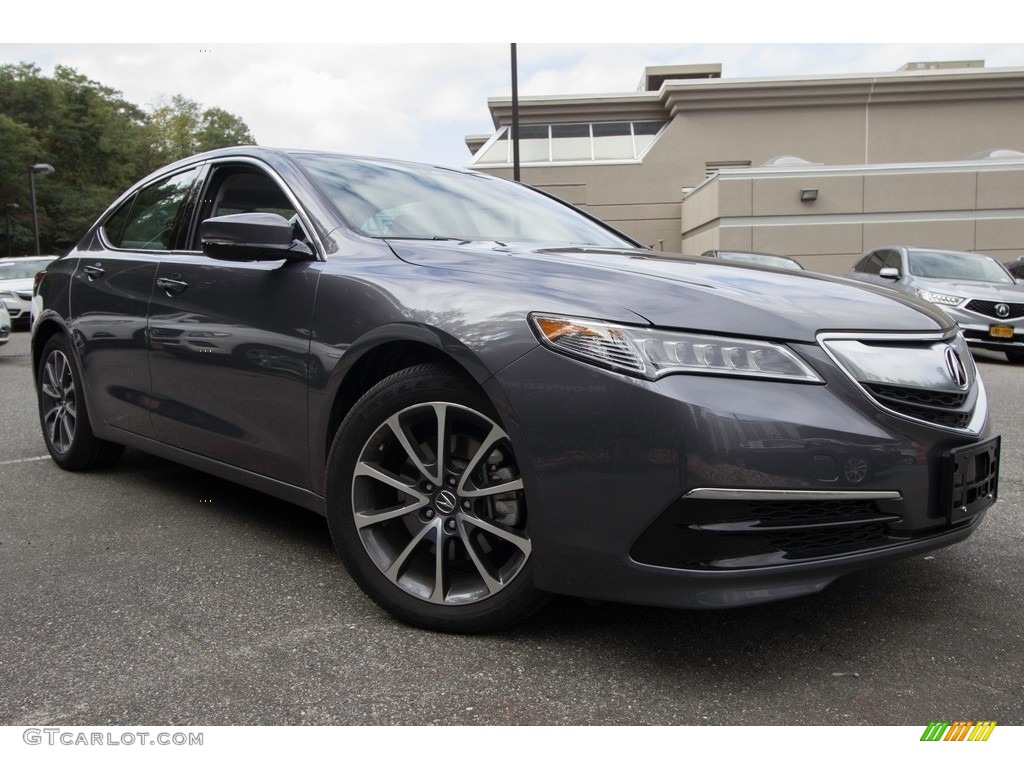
(445, 502)
(956, 368)
(1002, 310)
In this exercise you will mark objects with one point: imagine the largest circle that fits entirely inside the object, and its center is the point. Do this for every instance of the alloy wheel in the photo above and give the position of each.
(438, 503)
(59, 401)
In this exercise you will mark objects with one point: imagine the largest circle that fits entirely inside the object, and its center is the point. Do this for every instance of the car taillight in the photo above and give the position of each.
(37, 282)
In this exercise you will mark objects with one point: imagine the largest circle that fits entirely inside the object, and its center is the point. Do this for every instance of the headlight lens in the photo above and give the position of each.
(653, 353)
(7, 295)
(939, 298)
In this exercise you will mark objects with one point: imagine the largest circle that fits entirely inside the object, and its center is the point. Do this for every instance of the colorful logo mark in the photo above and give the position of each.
(958, 730)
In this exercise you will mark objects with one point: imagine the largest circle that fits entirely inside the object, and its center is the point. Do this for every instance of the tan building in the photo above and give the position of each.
(819, 168)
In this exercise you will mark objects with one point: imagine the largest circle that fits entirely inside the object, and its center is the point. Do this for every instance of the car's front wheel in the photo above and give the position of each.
(62, 411)
(426, 504)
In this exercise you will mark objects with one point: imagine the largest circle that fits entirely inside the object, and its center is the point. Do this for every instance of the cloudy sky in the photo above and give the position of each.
(346, 91)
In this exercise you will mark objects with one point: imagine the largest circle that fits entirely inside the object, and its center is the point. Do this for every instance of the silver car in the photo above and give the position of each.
(974, 289)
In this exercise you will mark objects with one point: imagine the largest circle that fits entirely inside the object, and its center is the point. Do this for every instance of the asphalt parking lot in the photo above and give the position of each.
(151, 593)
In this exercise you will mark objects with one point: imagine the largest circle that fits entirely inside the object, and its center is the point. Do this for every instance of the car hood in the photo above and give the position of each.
(17, 284)
(680, 292)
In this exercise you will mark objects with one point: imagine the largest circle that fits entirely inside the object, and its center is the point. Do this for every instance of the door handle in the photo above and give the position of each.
(92, 271)
(171, 285)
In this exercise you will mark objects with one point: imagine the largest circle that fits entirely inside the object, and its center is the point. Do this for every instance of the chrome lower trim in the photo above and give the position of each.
(765, 494)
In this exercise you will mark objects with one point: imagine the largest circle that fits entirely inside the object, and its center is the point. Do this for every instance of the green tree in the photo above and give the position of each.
(98, 142)
(182, 127)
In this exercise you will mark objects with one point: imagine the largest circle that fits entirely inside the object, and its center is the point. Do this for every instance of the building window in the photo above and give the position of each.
(572, 143)
(534, 144)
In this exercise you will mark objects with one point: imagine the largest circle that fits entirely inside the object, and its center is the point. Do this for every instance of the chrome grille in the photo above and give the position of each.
(911, 376)
(988, 308)
(924, 397)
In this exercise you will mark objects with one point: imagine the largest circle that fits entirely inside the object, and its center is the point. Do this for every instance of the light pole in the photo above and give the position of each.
(42, 169)
(515, 114)
(7, 210)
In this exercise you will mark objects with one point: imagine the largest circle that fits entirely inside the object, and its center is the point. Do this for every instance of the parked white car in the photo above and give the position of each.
(16, 278)
(5, 324)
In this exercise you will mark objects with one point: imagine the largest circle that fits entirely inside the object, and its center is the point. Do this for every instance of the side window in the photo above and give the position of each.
(870, 264)
(114, 225)
(892, 259)
(154, 219)
(245, 189)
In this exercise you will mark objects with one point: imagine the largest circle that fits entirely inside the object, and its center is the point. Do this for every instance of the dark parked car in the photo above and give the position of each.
(493, 397)
(972, 288)
(757, 259)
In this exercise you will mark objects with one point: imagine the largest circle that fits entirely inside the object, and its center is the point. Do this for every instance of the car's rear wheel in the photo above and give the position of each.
(427, 507)
(63, 414)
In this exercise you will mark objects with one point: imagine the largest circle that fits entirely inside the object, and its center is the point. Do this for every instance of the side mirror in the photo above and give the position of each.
(889, 273)
(251, 237)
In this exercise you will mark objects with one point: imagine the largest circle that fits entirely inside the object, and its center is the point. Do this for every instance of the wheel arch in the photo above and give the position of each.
(375, 357)
(46, 328)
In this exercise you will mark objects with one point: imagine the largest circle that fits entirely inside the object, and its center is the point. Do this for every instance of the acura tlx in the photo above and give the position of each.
(493, 397)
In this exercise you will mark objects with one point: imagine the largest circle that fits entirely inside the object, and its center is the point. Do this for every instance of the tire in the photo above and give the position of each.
(1017, 358)
(63, 415)
(441, 545)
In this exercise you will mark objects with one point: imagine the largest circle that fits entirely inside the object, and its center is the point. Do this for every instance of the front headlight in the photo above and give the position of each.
(7, 295)
(654, 353)
(939, 298)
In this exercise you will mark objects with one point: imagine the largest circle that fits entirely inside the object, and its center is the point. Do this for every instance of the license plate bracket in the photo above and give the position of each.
(970, 479)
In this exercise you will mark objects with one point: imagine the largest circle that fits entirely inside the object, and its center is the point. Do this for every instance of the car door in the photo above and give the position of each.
(110, 291)
(230, 341)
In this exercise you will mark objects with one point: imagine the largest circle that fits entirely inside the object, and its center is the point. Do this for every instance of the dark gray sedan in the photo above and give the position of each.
(975, 290)
(493, 397)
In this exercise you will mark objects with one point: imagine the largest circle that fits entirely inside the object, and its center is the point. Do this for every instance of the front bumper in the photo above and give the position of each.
(17, 308)
(611, 465)
(986, 331)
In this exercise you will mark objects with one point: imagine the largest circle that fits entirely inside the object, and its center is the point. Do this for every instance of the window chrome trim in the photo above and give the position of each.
(770, 494)
(134, 191)
(205, 168)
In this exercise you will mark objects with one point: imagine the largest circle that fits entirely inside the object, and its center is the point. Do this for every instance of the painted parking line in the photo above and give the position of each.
(22, 461)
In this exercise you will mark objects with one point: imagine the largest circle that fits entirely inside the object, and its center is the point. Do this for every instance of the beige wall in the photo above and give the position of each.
(840, 121)
(956, 206)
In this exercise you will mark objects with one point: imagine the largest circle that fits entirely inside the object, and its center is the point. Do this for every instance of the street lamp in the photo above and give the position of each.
(41, 169)
(7, 210)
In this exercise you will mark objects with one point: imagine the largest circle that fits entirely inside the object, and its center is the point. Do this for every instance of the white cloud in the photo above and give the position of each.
(418, 101)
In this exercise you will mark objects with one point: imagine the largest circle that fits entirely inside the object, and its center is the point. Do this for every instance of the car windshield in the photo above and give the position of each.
(957, 266)
(386, 200)
(22, 268)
